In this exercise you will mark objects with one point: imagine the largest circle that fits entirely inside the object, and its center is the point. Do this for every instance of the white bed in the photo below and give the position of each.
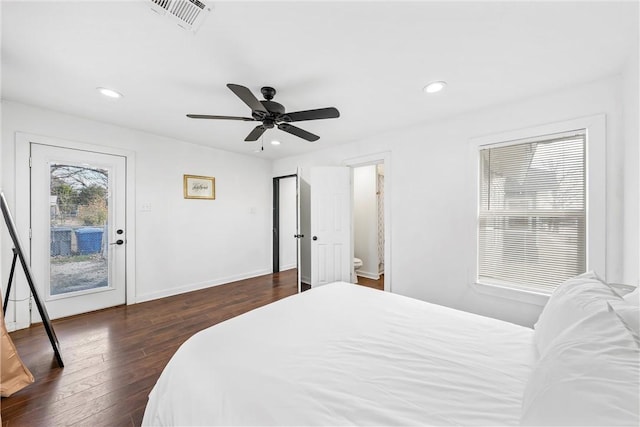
(343, 354)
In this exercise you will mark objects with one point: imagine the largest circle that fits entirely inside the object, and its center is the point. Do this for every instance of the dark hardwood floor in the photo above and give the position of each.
(113, 357)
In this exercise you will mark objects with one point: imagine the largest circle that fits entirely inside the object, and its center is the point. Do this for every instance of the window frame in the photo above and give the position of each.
(595, 195)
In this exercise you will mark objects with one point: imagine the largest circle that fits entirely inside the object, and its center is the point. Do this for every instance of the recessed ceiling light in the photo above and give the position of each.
(274, 142)
(434, 87)
(109, 92)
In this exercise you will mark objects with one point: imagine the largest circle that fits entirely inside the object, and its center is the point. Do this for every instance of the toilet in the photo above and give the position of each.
(357, 263)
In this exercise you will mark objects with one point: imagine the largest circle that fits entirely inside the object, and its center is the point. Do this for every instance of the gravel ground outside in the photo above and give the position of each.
(78, 273)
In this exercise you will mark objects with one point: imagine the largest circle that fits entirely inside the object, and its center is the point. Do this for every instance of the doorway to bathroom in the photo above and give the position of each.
(369, 224)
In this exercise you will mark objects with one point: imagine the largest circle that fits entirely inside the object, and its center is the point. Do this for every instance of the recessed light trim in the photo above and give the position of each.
(110, 93)
(435, 87)
(274, 142)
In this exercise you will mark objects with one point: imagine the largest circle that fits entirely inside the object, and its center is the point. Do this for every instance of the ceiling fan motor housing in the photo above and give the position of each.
(273, 107)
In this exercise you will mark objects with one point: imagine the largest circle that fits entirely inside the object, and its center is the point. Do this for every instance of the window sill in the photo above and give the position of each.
(520, 295)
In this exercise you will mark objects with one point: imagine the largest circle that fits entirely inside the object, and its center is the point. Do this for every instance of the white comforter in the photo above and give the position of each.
(343, 354)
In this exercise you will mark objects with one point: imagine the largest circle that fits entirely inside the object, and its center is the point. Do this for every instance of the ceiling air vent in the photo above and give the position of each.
(189, 14)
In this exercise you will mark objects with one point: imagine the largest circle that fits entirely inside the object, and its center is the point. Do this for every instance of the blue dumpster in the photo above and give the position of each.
(60, 241)
(89, 240)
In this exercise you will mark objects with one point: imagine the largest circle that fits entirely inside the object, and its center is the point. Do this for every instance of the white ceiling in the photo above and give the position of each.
(368, 59)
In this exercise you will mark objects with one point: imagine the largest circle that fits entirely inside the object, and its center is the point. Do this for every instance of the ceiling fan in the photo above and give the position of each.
(272, 114)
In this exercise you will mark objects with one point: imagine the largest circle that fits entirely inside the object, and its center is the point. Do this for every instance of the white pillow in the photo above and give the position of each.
(633, 297)
(589, 375)
(570, 302)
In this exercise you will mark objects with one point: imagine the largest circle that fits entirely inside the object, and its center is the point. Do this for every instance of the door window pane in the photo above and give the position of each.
(79, 213)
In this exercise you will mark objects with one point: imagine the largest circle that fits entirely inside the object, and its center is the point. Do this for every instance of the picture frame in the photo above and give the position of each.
(199, 187)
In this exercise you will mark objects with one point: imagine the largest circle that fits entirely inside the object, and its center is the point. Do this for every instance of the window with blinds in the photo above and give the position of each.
(532, 212)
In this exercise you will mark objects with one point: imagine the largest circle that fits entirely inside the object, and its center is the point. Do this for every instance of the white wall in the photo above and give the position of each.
(181, 244)
(365, 219)
(432, 193)
(287, 209)
(631, 132)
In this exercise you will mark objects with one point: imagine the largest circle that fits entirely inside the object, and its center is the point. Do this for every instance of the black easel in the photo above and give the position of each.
(17, 253)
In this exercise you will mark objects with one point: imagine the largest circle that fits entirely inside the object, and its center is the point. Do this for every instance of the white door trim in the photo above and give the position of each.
(371, 159)
(23, 200)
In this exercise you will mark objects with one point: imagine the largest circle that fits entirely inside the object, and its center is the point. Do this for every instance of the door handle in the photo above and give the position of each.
(298, 236)
(118, 242)
(315, 237)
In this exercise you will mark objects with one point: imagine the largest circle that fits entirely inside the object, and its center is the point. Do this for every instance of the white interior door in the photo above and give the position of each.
(78, 234)
(331, 252)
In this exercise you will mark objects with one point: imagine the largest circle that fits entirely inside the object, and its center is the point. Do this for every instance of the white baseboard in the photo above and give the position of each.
(288, 266)
(197, 286)
(368, 275)
(14, 326)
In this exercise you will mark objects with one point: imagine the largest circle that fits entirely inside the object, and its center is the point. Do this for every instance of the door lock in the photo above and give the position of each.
(118, 242)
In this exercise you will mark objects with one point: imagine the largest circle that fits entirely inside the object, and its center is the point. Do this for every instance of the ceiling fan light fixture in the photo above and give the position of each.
(110, 93)
(435, 87)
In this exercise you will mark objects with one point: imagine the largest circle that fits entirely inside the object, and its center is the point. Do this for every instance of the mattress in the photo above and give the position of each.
(343, 354)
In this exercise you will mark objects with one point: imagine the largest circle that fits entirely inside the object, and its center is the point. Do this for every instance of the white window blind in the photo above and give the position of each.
(532, 216)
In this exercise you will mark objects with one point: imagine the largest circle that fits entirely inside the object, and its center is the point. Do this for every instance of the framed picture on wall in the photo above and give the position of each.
(199, 187)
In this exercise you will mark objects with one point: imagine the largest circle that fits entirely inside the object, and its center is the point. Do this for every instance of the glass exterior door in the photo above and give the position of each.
(78, 228)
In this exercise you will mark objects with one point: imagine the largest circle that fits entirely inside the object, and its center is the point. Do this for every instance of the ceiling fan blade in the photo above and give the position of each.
(256, 133)
(247, 97)
(206, 116)
(298, 132)
(320, 113)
